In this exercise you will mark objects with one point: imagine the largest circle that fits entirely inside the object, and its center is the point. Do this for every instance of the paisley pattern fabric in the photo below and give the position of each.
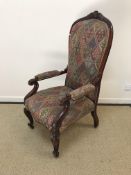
(45, 107)
(87, 44)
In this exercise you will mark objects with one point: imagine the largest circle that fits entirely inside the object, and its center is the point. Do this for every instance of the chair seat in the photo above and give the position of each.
(45, 107)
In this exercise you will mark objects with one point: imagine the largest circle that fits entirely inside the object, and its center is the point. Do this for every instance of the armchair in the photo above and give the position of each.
(57, 108)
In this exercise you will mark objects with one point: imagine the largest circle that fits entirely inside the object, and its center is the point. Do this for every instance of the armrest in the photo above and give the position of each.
(49, 74)
(45, 75)
(86, 90)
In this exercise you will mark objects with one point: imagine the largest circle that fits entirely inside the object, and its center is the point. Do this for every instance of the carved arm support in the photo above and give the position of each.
(86, 90)
(32, 82)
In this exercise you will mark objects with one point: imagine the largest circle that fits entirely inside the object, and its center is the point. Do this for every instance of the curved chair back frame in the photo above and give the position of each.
(96, 15)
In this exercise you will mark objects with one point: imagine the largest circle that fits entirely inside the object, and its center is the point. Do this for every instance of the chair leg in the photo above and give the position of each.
(29, 116)
(95, 118)
(55, 138)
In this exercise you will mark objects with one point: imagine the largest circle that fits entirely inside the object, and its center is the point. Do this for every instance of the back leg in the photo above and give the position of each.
(29, 116)
(95, 118)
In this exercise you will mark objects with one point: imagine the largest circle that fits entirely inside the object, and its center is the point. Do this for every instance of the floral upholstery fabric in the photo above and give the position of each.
(87, 44)
(45, 107)
(46, 75)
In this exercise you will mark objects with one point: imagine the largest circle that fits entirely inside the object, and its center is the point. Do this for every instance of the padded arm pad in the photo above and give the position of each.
(46, 75)
(86, 90)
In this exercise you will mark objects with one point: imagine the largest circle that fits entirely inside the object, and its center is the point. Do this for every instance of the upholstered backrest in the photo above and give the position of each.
(88, 41)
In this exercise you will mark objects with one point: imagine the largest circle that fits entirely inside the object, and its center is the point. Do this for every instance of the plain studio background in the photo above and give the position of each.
(34, 39)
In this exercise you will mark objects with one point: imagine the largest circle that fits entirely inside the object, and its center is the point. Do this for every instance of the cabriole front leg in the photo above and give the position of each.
(55, 138)
(29, 116)
(55, 132)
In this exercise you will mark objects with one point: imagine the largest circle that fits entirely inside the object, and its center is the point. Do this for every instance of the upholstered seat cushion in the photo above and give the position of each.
(45, 106)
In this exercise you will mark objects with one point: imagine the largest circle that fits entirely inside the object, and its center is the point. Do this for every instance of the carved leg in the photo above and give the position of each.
(55, 134)
(95, 118)
(31, 123)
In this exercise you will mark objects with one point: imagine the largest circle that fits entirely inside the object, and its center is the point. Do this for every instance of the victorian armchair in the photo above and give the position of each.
(90, 40)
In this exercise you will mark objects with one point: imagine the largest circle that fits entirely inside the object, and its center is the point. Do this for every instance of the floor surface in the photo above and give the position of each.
(83, 149)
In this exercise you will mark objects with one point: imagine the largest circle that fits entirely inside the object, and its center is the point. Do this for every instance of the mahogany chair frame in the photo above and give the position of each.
(55, 132)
